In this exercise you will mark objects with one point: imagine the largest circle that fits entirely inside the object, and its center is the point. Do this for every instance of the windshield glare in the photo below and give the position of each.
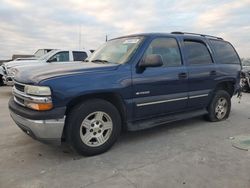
(116, 51)
(47, 55)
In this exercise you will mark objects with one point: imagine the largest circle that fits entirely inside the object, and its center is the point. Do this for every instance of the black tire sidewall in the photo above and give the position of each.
(79, 113)
(211, 108)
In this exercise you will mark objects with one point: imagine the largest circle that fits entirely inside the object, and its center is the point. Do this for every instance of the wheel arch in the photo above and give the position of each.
(227, 85)
(112, 97)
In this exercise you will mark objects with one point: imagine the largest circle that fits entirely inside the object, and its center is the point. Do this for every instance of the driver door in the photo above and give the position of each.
(161, 90)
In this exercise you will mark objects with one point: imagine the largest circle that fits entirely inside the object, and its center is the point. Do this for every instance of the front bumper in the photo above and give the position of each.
(39, 128)
(8, 80)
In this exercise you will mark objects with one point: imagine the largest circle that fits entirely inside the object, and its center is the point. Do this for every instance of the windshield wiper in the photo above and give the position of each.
(100, 61)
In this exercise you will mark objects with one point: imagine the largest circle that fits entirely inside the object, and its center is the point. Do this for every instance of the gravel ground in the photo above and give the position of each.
(191, 153)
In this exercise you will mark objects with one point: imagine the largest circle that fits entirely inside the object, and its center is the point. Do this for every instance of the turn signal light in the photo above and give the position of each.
(40, 106)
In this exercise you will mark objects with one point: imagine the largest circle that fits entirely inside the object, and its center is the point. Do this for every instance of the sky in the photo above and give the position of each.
(28, 25)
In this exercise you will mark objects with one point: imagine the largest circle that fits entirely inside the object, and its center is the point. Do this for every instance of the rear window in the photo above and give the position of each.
(225, 52)
(79, 56)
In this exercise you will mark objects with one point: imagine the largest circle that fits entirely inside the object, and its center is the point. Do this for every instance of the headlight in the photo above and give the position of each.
(12, 71)
(37, 90)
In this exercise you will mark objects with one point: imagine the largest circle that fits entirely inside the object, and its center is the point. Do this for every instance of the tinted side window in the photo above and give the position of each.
(225, 52)
(79, 56)
(168, 49)
(60, 57)
(197, 53)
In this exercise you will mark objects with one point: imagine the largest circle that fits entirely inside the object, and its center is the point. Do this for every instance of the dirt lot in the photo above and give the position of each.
(192, 153)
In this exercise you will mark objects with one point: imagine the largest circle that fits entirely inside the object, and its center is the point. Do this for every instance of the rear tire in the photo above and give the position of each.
(220, 106)
(93, 127)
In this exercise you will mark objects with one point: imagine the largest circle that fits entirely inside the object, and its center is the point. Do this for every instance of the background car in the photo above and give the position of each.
(62, 56)
(245, 75)
(22, 57)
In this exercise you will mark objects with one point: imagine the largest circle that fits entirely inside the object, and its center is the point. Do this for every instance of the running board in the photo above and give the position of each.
(144, 124)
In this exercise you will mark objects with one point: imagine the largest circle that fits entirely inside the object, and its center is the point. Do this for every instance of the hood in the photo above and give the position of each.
(35, 74)
(12, 64)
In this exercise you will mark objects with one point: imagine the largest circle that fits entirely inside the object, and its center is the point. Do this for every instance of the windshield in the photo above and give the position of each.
(47, 55)
(39, 53)
(116, 51)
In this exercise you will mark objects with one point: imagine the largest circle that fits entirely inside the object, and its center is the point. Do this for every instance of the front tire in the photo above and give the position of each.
(93, 127)
(220, 106)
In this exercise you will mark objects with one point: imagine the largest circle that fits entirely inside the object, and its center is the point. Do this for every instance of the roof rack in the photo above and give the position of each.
(197, 34)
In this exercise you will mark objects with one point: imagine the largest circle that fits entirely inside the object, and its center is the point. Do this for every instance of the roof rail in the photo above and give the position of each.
(202, 35)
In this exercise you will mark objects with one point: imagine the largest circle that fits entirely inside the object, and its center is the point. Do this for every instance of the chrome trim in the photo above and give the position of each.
(18, 101)
(19, 83)
(198, 96)
(171, 100)
(30, 98)
(162, 101)
(42, 129)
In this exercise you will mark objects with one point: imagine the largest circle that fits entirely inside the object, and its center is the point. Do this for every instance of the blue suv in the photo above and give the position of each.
(130, 83)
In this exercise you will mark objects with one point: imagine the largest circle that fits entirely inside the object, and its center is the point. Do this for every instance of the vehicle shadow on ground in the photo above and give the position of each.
(166, 129)
(128, 137)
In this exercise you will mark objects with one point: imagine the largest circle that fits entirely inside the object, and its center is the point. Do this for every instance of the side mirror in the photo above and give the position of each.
(153, 60)
(52, 60)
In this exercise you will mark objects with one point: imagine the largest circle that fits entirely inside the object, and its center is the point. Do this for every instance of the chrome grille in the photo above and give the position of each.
(19, 87)
(18, 91)
(21, 98)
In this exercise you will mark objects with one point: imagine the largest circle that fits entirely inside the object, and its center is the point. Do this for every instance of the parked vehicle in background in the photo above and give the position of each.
(36, 55)
(1, 76)
(245, 75)
(132, 82)
(27, 58)
(22, 57)
(42, 52)
(54, 56)
(1, 71)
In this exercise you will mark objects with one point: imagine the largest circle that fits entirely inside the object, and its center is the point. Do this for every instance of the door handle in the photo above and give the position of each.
(182, 75)
(213, 73)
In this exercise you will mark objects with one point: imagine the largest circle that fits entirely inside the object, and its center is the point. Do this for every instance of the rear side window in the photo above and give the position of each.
(79, 56)
(225, 52)
(197, 53)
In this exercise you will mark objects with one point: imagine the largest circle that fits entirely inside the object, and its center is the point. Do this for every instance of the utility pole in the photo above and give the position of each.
(80, 36)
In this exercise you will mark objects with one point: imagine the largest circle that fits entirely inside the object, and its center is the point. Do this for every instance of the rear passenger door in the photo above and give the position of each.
(201, 72)
(161, 90)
